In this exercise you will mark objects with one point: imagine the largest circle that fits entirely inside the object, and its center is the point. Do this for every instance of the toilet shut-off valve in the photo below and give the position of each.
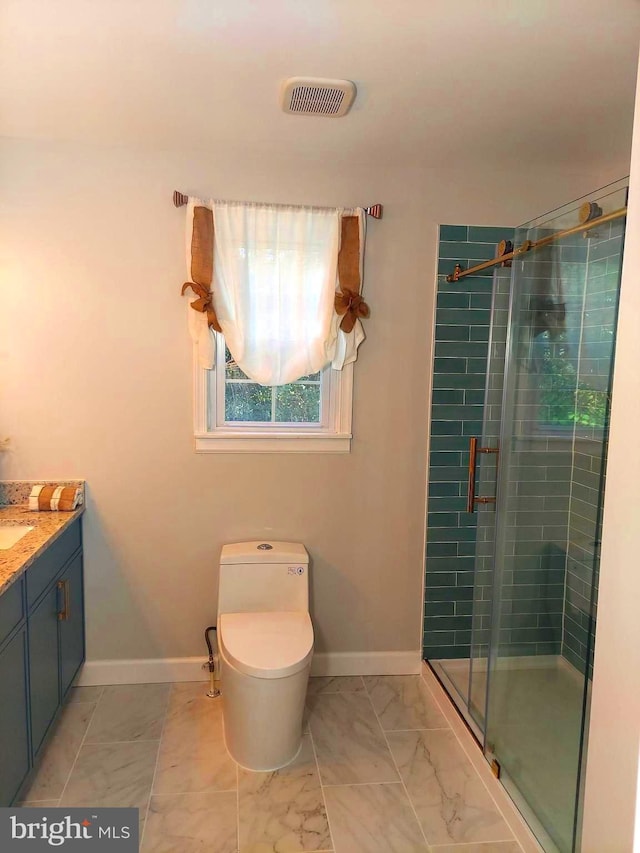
(214, 681)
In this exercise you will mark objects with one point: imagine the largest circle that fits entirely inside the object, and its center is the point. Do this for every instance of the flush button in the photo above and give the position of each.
(265, 547)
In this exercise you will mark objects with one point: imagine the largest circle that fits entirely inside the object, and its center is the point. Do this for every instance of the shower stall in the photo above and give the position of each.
(516, 545)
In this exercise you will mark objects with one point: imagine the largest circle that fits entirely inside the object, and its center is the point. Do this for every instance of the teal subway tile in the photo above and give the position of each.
(605, 249)
(480, 300)
(445, 593)
(463, 317)
(448, 623)
(449, 442)
(444, 490)
(481, 283)
(448, 534)
(445, 396)
(437, 638)
(445, 564)
(473, 279)
(459, 381)
(464, 251)
(442, 519)
(431, 652)
(447, 474)
(447, 332)
(441, 549)
(457, 413)
(464, 608)
(489, 234)
(479, 333)
(447, 504)
(463, 637)
(439, 458)
(454, 300)
(466, 578)
(472, 427)
(450, 365)
(573, 254)
(477, 365)
(467, 549)
(440, 579)
(439, 608)
(461, 349)
(450, 427)
(454, 232)
(446, 267)
(474, 396)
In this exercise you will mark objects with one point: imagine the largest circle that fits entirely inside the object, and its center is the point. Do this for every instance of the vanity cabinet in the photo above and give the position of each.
(41, 650)
(14, 736)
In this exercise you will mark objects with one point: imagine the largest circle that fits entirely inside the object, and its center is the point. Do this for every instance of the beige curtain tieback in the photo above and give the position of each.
(352, 306)
(204, 303)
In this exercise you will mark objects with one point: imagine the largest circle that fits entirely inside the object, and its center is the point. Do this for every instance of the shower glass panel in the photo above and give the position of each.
(553, 442)
(486, 512)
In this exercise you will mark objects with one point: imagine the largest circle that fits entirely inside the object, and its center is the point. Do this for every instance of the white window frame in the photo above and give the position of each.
(333, 435)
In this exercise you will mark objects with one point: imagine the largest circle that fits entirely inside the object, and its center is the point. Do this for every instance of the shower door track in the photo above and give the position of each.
(530, 245)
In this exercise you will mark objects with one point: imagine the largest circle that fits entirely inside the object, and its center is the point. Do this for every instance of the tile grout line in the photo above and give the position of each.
(440, 699)
(324, 799)
(155, 767)
(82, 742)
(395, 764)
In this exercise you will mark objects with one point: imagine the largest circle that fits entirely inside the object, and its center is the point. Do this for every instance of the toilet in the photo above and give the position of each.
(265, 644)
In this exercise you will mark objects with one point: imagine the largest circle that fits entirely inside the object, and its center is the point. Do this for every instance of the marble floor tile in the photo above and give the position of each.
(84, 694)
(60, 752)
(403, 702)
(451, 801)
(183, 823)
(193, 757)
(488, 847)
(373, 819)
(335, 684)
(283, 810)
(349, 742)
(115, 774)
(128, 712)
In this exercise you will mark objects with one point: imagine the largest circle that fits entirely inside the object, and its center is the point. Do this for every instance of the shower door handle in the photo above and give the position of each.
(472, 498)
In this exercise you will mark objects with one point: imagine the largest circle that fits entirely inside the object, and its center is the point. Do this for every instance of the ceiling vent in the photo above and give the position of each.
(317, 96)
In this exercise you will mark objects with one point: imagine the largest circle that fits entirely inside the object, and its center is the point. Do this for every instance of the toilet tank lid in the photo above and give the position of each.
(256, 552)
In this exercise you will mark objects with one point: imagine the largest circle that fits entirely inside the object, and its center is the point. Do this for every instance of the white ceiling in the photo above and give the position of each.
(493, 83)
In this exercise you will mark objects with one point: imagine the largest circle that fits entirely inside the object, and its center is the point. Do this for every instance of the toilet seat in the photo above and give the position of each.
(267, 645)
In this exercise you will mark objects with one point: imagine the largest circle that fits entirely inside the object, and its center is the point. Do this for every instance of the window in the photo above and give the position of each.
(235, 414)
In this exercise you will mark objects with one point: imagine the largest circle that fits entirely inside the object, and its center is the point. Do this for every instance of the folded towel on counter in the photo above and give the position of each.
(64, 498)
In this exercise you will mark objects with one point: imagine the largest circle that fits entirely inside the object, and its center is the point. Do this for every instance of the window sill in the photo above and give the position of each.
(281, 441)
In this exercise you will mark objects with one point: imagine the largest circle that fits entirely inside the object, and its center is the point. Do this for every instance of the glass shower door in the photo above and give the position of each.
(485, 486)
(553, 444)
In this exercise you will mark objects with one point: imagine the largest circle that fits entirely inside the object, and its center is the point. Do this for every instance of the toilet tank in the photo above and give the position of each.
(263, 576)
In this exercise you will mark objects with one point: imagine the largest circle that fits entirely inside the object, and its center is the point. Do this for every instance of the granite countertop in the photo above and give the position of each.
(47, 528)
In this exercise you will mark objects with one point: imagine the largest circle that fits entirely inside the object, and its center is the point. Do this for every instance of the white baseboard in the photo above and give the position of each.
(156, 670)
(142, 671)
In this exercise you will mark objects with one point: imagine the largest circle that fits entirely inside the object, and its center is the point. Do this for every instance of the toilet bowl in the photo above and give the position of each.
(265, 641)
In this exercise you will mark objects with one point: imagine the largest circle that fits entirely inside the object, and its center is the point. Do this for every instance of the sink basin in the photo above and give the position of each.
(11, 534)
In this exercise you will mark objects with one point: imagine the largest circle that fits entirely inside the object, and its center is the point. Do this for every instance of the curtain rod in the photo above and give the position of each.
(375, 211)
(530, 245)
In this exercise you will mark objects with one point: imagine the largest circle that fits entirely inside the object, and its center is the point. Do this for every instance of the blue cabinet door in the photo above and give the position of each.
(43, 665)
(72, 624)
(14, 744)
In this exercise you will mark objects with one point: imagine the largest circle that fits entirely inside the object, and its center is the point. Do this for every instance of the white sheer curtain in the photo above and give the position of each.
(274, 284)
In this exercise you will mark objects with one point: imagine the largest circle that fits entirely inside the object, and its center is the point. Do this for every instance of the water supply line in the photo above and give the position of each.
(214, 690)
